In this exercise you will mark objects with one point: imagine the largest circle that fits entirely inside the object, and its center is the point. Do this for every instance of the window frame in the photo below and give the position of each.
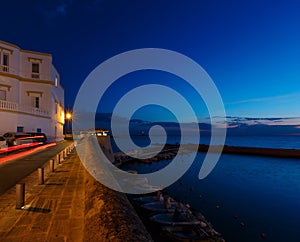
(35, 73)
(5, 66)
(5, 95)
(56, 81)
(36, 102)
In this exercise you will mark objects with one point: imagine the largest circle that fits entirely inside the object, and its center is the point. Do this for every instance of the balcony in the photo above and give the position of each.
(35, 111)
(7, 69)
(35, 76)
(30, 75)
(12, 106)
(4, 68)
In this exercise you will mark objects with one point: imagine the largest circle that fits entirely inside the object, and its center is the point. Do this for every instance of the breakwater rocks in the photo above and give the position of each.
(282, 153)
(168, 152)
(109, 216)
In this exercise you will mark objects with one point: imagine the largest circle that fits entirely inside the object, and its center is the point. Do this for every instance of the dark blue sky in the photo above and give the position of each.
(251, 49)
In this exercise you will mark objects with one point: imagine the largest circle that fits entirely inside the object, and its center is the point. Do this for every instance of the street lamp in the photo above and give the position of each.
(68, 116)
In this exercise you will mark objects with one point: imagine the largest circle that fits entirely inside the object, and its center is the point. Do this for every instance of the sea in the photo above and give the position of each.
(244, 196)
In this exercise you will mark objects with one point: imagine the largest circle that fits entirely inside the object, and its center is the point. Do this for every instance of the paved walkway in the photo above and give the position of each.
(53, 211)
(70, 206)
(13, 171)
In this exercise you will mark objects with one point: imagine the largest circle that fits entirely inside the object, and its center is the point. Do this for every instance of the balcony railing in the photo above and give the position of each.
(33, 110)
(35, 75)
(8, 69)
(24, 74)
(12, 106)
(4, 68)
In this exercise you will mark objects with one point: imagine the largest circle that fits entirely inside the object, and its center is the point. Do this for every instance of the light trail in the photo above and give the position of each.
(24, 153)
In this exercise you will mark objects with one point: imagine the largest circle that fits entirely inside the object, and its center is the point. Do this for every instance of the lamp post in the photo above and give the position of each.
(68, 118)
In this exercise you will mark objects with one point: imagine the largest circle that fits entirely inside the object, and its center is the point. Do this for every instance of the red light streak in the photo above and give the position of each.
(18, 147)
(24, 153)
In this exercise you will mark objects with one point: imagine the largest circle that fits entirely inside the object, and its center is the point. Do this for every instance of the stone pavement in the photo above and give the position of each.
(70, 206)
(13, 171)
(53, 211)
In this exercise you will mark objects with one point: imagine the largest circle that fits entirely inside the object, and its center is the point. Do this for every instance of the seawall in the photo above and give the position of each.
(281, 153)
(109, 216)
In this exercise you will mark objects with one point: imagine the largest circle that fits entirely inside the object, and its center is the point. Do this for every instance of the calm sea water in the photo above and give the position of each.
(263, 193)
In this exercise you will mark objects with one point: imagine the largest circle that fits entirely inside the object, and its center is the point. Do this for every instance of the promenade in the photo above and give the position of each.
(70, 206)
(53, 211)
(17, 169)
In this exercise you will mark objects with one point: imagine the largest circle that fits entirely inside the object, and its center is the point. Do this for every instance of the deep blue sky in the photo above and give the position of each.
(251, 49)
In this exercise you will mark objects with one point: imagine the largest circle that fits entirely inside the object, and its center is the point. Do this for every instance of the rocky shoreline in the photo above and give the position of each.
(256, 151)
(170, 151)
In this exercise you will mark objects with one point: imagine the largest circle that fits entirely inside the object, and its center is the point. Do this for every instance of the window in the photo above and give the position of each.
(3, 95)
(36, 102)
(35, 70)
(56, 81)
(5, 62)
(35, 98)
(20, 129)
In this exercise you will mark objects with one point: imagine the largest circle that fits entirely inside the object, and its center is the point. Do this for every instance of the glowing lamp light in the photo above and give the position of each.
(68, 116)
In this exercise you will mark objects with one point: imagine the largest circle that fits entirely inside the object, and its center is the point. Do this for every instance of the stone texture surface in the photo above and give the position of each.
(70, 206)
(111, 214)
(47, 212)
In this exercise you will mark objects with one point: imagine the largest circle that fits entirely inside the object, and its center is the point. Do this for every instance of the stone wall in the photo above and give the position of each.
(109, 216)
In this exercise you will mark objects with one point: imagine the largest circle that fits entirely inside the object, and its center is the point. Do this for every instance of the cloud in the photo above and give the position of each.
(234, 125)
(54, 9)
(265, 121)
(265, 99)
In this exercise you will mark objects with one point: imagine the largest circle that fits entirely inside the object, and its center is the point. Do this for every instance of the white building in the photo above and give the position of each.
(31, 97)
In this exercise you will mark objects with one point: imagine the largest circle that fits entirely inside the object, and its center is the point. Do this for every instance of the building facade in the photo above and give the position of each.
(31, 96)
